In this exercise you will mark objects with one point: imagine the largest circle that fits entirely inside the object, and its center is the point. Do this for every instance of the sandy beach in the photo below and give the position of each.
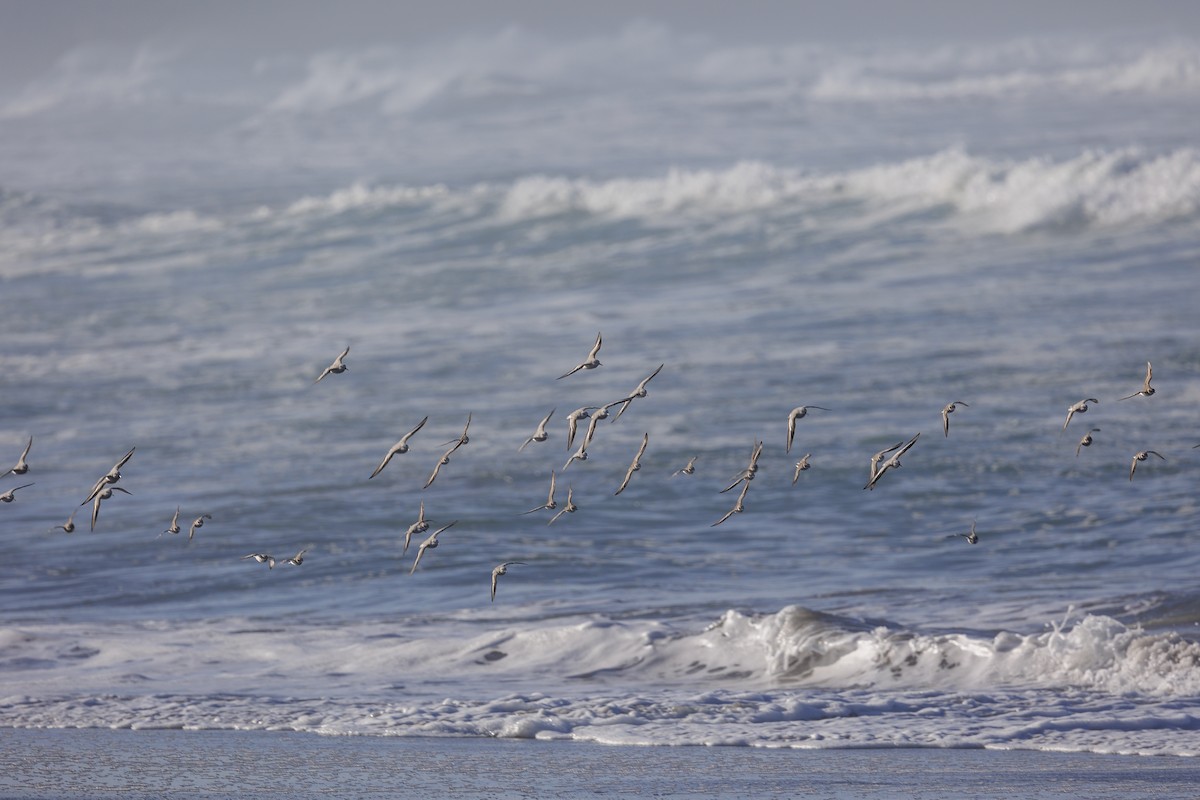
(87, 763)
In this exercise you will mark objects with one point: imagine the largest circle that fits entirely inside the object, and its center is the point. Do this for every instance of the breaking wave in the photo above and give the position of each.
(1100, 189)
(1093, 190)
(794, 678)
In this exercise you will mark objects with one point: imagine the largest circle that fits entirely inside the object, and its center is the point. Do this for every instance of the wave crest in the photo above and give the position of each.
(801, 647)
(1094, 189)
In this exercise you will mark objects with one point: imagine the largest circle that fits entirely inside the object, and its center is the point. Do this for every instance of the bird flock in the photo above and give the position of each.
(880, 464)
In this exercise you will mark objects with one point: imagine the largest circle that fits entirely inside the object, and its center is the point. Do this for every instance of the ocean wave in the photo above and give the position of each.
(483, 70)
(793, 678)
(1093, 189)
(1166, 70)
(978, 194)
(798, 646)
(794, 647)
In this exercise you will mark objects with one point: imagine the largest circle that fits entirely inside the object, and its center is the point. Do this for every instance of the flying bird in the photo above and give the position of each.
(573, 422)
(1078, 408)
(875, 459)
(579, 455)
(197, 523)
(100, 497)
(1142, 456)
(799, 412)
(738, 507)
(635, 465)
(591, 362)
(688, 469)
(262, 558)
(972, 537)
(801, 465)
(429, 544)
(443, 461)
(22, 466)
(1146, 389)
(569, 508)
(949, 409)
(598, 413)
(297, 559)
(748, 473)
(420, 526)
(540, 434)
(462, 437)
(174, 523)
(640, 391)
(498, 570)
(892, 462)
(399, 447)
(1086, 441)
(336, 368)
(550, 503)
(69, 525)
(110, 477)
(11, 494)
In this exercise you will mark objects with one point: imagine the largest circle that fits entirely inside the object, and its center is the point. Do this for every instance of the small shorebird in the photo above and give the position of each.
(1142, 456)
(429, 544)
(69, 525)
(590, 433)
(972, 537)
(550, 503)
(569, 508)
(197, 523)
(1146, 389)
(799, 412)
(336, 368)
(501, 569)
(540, 434)
(892, 462)
(738, 507)
(688, 469)
(22, 466)
(297, 559)
(600, 412)
(444, 460)
(573, 422)
(640, 391)
(174, 523)
(462, 437)
(101, 496)
(262, 558)
(949, 409)
(11, 494)
(1078, 408)
(801, 465)
(747, 474)
(875, 459)
(420, 526)
(110, 477)
(399, 447)
(1086, 441)
(635, 465)
(579, 455)
(591, 362)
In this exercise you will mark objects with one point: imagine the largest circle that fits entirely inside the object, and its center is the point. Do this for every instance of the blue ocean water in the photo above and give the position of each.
(877, 231)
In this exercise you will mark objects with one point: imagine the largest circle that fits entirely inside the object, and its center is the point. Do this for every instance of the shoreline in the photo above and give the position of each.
(53, 763)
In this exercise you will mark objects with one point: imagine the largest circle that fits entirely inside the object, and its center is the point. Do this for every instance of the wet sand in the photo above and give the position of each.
(91, 763)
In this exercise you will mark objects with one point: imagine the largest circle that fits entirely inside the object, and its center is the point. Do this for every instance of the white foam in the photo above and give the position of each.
(357, 196)
(794, 678)
(1092, 190)
(1013, 70)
